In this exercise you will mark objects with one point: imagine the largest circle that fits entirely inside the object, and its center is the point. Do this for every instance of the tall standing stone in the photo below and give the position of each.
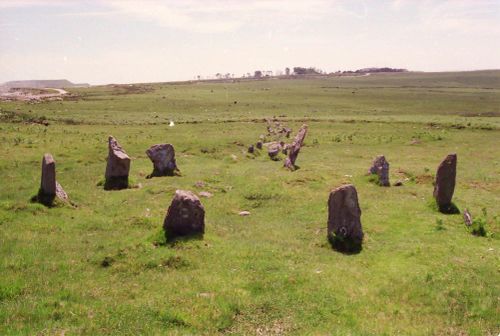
(118, 166)
(294, 148)
(344, 219)
(445, 183)
(185, 216)
(49, 187)
(48, 182)
(163, 158)
(380, 167)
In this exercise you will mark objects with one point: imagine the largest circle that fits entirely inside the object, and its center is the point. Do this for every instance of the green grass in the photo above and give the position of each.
(103, 267)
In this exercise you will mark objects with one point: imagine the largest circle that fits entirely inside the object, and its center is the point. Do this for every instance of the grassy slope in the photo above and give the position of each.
(271, 272)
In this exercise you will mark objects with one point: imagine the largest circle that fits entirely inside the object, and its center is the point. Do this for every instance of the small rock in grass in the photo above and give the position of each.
(205, 194)
(244, 213)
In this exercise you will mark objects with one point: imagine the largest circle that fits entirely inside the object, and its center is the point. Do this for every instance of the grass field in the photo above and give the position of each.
(102, 267)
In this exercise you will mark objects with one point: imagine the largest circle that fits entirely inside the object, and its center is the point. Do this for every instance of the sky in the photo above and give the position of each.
(122, 41)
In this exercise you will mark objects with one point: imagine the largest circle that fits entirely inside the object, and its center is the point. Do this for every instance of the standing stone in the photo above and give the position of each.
(163, 158)
(294, 148)
(445, 183)
(251, 149)
(49, 187)
(467, 218)
(185, 216)
(380, 167)
(344, 219)
(273, 149)
(48, 183)
(259, 144)
(118, 166)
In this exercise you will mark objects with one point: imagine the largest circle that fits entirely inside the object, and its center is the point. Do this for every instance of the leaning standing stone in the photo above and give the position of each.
(294, 148)
(118, 166)
(163, 158)
(344, 219)
(185, 216)
(445, 183)
(380, 167)
(49, 187)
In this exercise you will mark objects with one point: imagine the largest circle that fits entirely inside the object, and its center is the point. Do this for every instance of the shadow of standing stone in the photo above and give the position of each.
(163, 158)
(185, 216)
(345, 232)
(118, 166)
(444, 185)
(49, 187)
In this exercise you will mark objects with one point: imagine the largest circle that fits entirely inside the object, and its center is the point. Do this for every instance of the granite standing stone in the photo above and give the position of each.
(380, 167)
(294, 148)
(163, 158)
(344, 219)
(49, 187)
(185, 216)
(118, 166)
(445, 183)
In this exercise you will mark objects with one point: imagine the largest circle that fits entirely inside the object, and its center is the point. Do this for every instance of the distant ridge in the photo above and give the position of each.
(40, 84)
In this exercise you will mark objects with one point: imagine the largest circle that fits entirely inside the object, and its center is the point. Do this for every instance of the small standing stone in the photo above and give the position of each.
(380, 167)
(273, 149)
(185, 216)
(467, 218)
(49, 187)
(259, 144)
(163, 158)
(294, 148)
(118, 166)
(445, 183)
(344, 219)
(251, 149)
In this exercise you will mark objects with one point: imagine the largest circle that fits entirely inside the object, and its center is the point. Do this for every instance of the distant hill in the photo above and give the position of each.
(49, 83)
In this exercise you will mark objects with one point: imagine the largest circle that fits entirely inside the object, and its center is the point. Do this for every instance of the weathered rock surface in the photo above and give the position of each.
(49, 187)
(380, 167)
(444, 186)
(163, 158)
(118, 166)
(294, 148)
(185, 216)
(344, 219)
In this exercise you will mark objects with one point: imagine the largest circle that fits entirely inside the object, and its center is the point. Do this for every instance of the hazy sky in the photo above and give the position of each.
(142, 41)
